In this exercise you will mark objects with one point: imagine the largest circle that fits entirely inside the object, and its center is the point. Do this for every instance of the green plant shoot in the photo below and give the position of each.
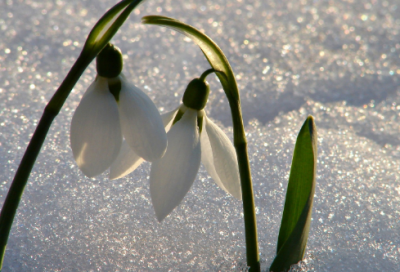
(296, 219)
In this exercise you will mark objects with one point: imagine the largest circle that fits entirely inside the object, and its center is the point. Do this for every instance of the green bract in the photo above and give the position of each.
(211, 50)
(108, 25)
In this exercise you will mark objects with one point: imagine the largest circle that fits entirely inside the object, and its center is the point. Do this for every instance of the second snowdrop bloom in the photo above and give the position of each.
(112, 111)
(193, 138)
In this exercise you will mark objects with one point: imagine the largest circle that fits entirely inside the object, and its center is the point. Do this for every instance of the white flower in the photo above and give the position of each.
(103, 119)
(172, 176)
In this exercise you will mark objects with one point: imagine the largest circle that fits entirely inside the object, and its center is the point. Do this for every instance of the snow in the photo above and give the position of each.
(337, 60)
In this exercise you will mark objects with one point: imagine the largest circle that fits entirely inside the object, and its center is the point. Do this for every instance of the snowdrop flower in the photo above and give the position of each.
(110, 110)
(192, 137)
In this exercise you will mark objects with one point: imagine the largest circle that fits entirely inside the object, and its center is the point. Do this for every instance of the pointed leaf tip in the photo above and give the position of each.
(312, 129)
(296, 217)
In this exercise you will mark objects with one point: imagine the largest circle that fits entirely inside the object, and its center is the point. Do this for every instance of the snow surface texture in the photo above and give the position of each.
(337, 60)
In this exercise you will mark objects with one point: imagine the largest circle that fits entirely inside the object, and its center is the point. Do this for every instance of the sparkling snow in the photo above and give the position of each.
(337, 60)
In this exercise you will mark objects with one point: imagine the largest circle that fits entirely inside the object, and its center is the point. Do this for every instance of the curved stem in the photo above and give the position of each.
(207, 72)
(219, 62)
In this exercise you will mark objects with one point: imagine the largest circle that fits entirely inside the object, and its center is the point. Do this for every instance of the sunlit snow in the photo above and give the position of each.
(337, 60)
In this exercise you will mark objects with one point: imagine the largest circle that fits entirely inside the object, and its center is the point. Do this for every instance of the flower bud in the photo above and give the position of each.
(109, 62)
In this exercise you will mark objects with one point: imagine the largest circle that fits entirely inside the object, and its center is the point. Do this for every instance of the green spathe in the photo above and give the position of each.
(109, 62)
(196, 94)
(296, 219)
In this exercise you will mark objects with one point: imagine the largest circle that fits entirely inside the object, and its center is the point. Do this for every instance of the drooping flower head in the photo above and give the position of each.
(193, 138)
(113, 111)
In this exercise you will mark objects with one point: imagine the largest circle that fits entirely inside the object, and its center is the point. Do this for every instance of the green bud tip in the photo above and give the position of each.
(196, 94)
(109, 62)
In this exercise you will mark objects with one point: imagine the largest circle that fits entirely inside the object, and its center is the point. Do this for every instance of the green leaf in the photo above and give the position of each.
(108, 25)
(212, 52)
(295, 226)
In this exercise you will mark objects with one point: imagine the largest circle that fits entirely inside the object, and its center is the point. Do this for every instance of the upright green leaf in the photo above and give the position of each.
(295, 226)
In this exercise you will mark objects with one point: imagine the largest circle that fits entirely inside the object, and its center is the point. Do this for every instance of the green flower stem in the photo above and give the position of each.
(207, 72)
(21, 177)
(220, 64)
(250, 222)
(240, 143)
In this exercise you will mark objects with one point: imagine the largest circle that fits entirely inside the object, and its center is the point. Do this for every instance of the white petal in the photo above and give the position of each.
(141, 123)
(95, 130)
(219, 158)
(207, 157)
(126, 162)
(172, 176)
